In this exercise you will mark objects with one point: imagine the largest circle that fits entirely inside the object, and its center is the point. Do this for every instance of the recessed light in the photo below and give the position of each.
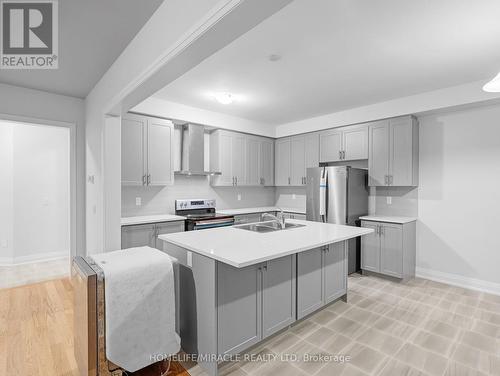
(494, 85)
(224, 98)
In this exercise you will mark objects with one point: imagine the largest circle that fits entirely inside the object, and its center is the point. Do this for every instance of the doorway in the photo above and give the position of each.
(35, 202)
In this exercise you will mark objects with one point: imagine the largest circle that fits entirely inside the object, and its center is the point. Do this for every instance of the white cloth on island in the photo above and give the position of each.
(139, 306)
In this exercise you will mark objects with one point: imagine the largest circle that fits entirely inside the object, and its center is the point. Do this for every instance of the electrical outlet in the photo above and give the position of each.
(138, 201)
(239, 196)
(389, 200)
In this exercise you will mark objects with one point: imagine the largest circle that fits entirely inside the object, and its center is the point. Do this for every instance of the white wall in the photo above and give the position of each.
(466, 94)
(21, 102)
(6, 195)
(39, 218)
(459, 197)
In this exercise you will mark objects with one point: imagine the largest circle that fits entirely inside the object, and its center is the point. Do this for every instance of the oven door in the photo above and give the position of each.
(211, 223)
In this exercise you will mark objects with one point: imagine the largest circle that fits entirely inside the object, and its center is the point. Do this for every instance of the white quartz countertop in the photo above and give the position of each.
(262, 209)
(240, 248)
(126, 221)
(389, 219)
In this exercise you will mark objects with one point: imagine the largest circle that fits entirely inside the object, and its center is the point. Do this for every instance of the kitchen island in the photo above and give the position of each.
(239, 286)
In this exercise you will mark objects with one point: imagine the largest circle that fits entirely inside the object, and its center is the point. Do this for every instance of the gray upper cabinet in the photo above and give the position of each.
(266, 162)
(311, 141)
(282, 162)
(253, 176)
(346, 143)
(228, 156)
(278, 294)
(242, 160)
(293, 156)
(330, 149)
(355, 143)
(147, 151)
(390, 250)
(297, 160)
(393, 152)
(133, 144)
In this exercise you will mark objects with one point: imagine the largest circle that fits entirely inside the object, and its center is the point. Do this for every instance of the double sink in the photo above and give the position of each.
(267, 226)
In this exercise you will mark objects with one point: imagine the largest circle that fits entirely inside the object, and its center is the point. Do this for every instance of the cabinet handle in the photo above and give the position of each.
(340, 154)
(149, 179)
(386, 180)
(236, 179)
(288, 180)
(390, 179)
(265, 267)
(233, 180)
(143, 179)
(382, 232)
(343, 154)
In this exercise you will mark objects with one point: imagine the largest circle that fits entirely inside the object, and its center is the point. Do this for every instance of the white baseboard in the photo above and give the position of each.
(29, 259)
(460, 281)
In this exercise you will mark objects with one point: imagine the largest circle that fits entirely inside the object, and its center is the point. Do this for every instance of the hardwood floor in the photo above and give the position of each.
(36, 332)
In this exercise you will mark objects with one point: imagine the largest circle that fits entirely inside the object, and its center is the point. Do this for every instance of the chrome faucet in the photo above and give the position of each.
(280, 219)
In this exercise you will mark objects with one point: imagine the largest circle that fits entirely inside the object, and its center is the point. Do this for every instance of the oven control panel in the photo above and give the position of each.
(194, 204)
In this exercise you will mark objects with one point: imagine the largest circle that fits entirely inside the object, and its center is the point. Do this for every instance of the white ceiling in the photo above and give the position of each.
(339, 54)
(92, 34)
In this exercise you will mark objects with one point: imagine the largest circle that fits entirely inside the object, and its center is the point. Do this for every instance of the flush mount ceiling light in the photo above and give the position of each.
(493, 86)
(224, 98)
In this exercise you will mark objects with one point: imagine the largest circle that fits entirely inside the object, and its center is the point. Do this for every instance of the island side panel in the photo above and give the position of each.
(198, 304)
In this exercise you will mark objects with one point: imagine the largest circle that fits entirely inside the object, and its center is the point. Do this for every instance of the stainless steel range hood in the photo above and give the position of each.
(192, 151)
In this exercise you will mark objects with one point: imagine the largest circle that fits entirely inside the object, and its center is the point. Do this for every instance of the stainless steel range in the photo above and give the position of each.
(201, 214)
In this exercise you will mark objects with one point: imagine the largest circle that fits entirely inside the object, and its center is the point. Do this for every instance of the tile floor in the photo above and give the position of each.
(24, 274)
(387, 329)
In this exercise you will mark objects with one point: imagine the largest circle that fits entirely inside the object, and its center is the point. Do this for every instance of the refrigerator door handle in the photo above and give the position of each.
(322, 196)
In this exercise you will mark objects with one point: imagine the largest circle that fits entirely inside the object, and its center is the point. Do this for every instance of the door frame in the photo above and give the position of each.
(72, 167)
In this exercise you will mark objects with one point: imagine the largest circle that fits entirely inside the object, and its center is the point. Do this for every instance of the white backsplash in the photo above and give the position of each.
(291, 197)
(403, 201)
(160, 200)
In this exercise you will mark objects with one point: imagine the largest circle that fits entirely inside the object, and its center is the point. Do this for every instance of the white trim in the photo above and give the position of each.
(29, 259)
(458, 280)
(73, 207)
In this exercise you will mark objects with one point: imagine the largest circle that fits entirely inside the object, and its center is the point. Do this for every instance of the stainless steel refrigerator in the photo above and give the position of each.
(338, 195)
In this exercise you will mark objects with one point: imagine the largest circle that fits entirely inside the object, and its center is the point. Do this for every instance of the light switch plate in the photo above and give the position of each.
(239, 196)
(294, 196)
(389, 200)
(138, 201)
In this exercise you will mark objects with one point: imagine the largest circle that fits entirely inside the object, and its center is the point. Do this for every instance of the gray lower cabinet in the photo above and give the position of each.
(334, 272)
(239, 311)
(147, 234)
(254, 302)
(278, 294)
(370, 248)
(321, 277)
(138, 236)
(390, 250)
(309, 281)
